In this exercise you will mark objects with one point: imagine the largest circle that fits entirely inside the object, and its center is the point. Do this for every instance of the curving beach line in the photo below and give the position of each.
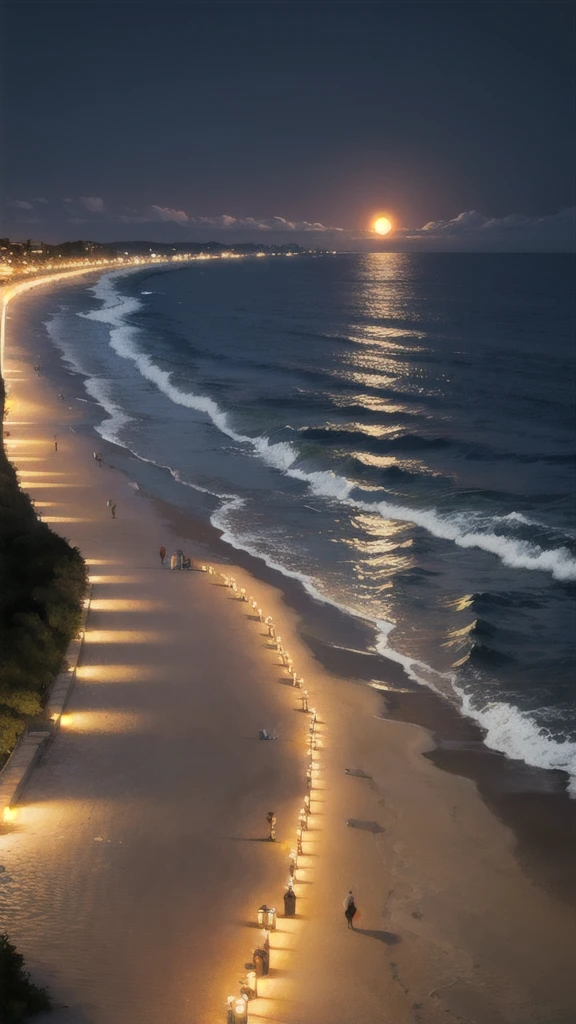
(139, 855)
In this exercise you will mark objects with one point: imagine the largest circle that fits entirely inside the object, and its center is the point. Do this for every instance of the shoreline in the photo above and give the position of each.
(533, 802)
(440, 861)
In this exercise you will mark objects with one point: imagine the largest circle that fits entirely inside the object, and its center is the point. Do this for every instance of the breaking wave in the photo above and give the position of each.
(515, 733)
(464, 529)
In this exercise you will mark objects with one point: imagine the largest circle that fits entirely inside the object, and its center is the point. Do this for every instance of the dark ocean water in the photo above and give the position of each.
(396, 431)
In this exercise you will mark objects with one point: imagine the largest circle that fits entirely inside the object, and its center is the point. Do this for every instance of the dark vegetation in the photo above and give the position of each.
(42, 583)
(19, 997)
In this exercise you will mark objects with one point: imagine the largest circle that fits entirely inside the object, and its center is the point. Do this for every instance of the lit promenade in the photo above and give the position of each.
(138, 858)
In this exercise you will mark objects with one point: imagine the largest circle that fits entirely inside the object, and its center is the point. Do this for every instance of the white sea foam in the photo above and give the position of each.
(458, 528)
(508, 730)
(518, 735)
(110, 429)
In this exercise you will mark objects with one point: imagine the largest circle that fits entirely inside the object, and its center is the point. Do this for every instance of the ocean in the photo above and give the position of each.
(393, 431)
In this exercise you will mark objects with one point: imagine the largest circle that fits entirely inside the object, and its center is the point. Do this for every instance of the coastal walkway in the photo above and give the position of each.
(138, 854)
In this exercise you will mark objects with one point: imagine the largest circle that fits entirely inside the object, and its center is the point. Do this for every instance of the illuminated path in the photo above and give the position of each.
(137, 861)
(135, 866)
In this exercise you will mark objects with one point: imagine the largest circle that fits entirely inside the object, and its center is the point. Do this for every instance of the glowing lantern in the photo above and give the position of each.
(271, 919)
(251, 982)
(267, 918)
(237, 1010)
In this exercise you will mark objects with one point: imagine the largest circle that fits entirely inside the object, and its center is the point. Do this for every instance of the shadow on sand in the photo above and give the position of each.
(365, 826)
(390, 938)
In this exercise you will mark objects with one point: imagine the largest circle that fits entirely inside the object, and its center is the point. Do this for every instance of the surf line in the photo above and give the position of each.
(237, 1006)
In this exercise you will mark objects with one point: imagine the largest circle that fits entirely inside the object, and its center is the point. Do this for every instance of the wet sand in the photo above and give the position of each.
(138, 858)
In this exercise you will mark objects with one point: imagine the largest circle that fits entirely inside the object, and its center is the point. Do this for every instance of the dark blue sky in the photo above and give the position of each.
(138, 119)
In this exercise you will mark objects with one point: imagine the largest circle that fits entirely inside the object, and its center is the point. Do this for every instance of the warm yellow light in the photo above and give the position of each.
(382, 225)
(121, 636)
(8, 814)
(132, 605)
(116, 673)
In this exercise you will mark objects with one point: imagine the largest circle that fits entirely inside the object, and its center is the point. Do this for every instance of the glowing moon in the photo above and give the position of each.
(382, 225)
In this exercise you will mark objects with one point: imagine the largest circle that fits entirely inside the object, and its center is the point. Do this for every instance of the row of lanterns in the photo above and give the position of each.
(237, 1006)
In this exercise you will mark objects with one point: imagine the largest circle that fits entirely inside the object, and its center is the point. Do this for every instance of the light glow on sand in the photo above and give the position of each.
(103, 722)
(135, 605)
(116, 673)
(44, 472)
(34, 485)
(31, 458)
(115, 579)
(12, 442)
(122, 636)
(99, 561)
(65, 519)
(9, 814)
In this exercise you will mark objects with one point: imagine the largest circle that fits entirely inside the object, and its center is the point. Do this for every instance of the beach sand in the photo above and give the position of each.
(138, 857)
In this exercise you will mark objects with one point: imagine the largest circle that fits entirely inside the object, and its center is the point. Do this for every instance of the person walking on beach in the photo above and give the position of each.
(271, 819)
(349, 908)
(162, 554)
(173, 562)
(55, 443)
(113, 510)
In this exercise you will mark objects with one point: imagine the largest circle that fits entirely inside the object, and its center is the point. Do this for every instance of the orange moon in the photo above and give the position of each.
(382, 225)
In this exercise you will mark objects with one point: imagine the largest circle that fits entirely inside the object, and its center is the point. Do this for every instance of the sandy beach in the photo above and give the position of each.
(139, 855)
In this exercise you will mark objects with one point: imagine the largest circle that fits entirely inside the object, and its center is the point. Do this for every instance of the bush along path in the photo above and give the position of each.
(20, 998)
(42, 585)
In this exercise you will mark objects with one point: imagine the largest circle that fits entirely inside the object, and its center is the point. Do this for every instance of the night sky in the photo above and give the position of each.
(290, 122)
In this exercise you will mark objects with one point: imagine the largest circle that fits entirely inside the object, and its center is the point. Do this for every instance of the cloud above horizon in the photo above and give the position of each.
(224, 221)
(24, 204)
(468, 230)
(92, 203)
(473, 223)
